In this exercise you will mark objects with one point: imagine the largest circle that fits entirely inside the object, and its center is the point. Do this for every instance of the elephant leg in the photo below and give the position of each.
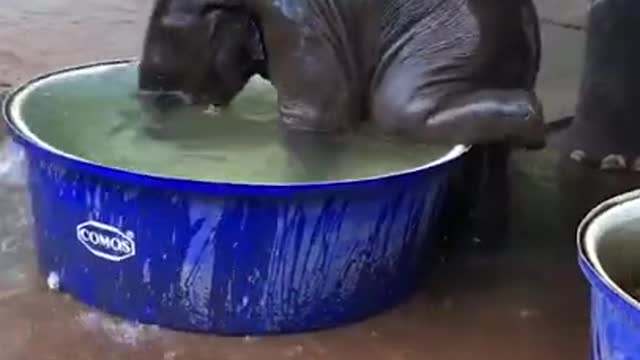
(607, 124)
(452, 113)
(486, 116)
(469, 117)
(313, 66)
(490, 213)
(479, 199)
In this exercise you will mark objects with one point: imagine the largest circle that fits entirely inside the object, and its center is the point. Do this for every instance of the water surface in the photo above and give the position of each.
(96, 114)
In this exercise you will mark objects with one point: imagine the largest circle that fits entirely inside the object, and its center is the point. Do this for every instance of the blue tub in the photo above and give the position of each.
(226, 258)
(609, 255)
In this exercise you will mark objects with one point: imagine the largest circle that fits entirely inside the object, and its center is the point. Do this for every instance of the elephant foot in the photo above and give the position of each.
(610, 162)
(617, 152)
(605, 132)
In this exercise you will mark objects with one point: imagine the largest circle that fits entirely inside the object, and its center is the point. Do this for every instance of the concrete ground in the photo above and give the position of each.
(520, 299)
(563, 40)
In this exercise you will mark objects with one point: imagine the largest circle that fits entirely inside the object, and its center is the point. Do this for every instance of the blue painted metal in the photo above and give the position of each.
(231, 258)
(615, 323)
(615, 319)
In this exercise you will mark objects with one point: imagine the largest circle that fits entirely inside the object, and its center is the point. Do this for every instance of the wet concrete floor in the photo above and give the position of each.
(517, 297)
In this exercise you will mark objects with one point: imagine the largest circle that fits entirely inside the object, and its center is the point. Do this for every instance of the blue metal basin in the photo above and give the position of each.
(229, 258)
(609, 255)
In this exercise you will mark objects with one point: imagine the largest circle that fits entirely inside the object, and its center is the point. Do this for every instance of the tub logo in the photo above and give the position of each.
(105, 241)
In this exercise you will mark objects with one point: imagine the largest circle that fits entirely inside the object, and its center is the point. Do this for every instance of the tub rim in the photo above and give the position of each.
(33, 143)
(587, 240)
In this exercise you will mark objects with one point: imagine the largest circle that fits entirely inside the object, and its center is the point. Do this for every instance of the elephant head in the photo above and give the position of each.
(202, 49)
(208, 49)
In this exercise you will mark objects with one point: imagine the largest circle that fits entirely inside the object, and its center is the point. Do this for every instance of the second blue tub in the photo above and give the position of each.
(609, 247)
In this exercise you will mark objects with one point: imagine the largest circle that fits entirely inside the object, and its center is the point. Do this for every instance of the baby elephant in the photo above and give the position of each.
(460, 71)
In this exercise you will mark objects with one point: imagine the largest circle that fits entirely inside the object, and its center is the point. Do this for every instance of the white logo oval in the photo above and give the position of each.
(106, 241)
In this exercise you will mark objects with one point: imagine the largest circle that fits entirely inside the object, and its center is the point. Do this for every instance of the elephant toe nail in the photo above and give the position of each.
(578, 155)
(613, 162)
(636, 165)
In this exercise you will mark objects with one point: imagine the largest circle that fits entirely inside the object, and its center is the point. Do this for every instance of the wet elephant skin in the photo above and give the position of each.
(434, 70)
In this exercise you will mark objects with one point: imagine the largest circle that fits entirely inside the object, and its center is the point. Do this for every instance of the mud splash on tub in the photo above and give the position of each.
(13, 170)
(16, 263)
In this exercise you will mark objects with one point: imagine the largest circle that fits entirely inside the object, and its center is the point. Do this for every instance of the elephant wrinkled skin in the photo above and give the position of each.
(458, 71)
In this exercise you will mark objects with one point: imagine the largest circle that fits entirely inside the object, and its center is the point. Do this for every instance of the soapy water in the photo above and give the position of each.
(99, 115)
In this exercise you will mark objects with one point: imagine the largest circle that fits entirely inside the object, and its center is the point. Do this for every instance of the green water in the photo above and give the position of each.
(97, 115)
